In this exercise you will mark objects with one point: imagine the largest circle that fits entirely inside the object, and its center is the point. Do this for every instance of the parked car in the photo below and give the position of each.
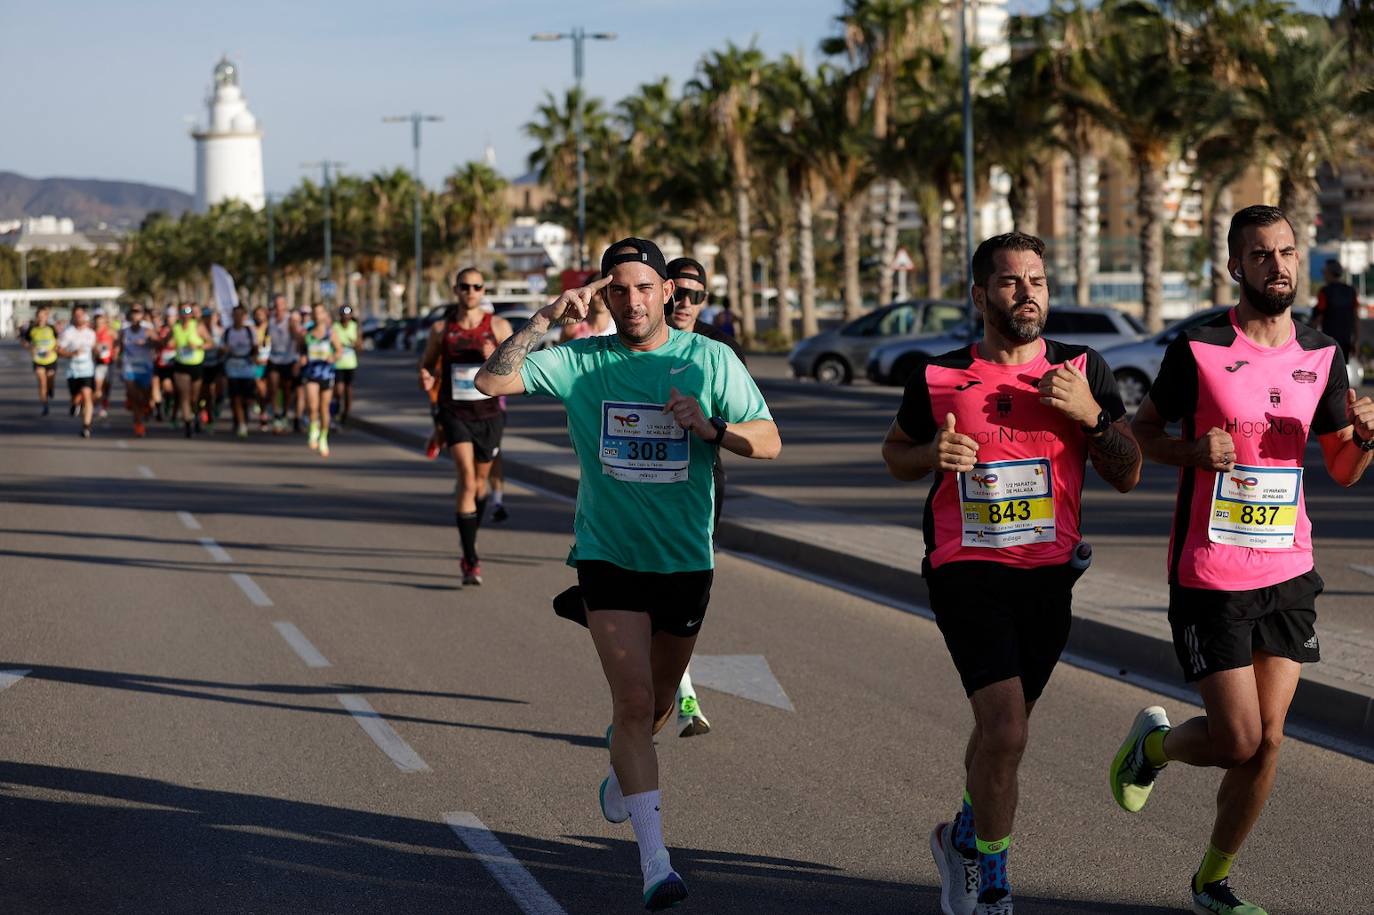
(834, 356)
(390, 335)
(1099, 328)
(1135, 365)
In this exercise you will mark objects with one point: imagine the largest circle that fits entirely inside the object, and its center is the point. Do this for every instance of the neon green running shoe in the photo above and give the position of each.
(1217, 899)
(690, 719)
(1132, 777)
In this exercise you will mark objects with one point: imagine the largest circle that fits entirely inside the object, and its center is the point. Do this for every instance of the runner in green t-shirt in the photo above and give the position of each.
(646, 409)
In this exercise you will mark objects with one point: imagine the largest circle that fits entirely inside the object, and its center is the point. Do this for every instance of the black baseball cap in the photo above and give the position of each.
(688, 267)
(645, 252)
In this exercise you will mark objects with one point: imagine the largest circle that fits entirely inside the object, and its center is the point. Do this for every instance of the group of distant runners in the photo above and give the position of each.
(183, 366)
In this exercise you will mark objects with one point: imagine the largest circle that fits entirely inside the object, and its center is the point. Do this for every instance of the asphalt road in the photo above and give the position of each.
(170, 748)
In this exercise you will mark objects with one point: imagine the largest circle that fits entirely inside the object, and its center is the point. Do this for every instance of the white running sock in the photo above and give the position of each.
(684, 688)
(496, 496)
(647, 821)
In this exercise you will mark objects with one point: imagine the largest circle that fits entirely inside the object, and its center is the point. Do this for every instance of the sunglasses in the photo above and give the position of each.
(695, 296)
(469, 287)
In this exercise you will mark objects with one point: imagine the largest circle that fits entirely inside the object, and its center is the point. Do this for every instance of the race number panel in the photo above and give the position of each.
(642, 444)
(1007, 503)
(462, 380)
(1255, 507)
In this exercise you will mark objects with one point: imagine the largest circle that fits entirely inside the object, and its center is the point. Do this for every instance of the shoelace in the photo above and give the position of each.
(1221, 891)
(1145, 773)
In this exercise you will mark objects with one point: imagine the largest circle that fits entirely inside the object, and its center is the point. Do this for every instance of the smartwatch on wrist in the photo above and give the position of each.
(1103, 421)
(719, 425)
(1366, 444)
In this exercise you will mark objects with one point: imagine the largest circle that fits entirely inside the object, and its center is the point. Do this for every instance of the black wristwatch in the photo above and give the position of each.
(1103, 421)
(719, 425)
(1366, 444)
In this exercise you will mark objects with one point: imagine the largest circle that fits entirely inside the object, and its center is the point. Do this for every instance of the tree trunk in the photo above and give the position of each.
(1150, 209)
(1298, 200)
(806, 262)
(412, 295)
(933, 246)
(851, 224)
(746, 259)
(1024, 200)
(891, 212)
(782, 278)
(1082, 231)
(374, 293)
(730, 255)
(1217, 226)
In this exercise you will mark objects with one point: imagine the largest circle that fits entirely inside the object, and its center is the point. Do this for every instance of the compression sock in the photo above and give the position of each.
(646, 819)
(481, 510)
(1216, 864)
(467, 534)
(993, 883)
(1154, 747)
(964, 838)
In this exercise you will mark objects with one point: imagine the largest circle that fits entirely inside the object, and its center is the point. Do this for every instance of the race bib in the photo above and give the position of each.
(186, 354)
(1255, 507)
(45, 349)
(461, 381)
(642, 444)
(1007, 503)
(81, 366)
(239, 367)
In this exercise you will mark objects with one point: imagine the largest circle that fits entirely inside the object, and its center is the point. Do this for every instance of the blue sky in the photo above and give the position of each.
(95, 89)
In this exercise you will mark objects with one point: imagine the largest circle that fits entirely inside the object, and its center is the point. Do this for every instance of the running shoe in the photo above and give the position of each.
(472, 572)
(324, 446)
(612, 803)
(499, 514)
(202, 417)
(242, 430)
(1131, 776)
(314, 436)
(104, 413)
(690, 720)
(432, 448)
(1217, 899)
(45, 409)
(188, 430)
(85, 431)
(1000, 907)
(663, 888)
(958, 875)
(139, 431)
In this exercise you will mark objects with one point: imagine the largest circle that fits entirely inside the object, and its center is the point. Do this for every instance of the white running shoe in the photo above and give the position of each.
(613, 802)
(691, 720)
(1000, 907)
(663, 888)
(958, 875)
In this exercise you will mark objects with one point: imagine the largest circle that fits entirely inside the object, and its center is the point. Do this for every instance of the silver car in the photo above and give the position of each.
(835, 356)
(1100, 328)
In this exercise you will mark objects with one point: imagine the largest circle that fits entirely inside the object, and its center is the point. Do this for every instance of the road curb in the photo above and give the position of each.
(1322, 706)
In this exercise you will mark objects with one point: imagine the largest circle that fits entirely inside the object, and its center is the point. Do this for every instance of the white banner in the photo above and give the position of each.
(226, 296)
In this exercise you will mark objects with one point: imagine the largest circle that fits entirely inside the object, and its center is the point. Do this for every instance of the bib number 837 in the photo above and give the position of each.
(1001, 512)
(1258, 514)
(646, 451)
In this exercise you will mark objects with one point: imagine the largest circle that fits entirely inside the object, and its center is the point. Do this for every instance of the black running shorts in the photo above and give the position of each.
(197, 371)
(484, 434)
(74, 385)
(246, 388)
(675, 601)
(1001, 622)
(344, 376)
(1221, 630)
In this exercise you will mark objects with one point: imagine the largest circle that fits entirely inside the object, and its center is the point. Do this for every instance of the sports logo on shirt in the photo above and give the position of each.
(1303, 376)
(1275, 396)
(1236, 368)
(1003, 404)
(966, 385)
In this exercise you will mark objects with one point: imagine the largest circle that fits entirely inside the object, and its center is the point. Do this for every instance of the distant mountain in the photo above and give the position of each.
(88, 201)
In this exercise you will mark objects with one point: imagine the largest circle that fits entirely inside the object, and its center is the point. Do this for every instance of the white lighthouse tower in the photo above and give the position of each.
(229, 146)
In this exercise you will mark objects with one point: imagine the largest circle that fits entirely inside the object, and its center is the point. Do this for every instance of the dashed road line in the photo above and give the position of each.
(217, 552)
(301, 645)
(189, 521)
(122, 444)
(1368, 570)
(532, 898)
(250, 589)
(145, 471)
(382, 734)
(10, 677)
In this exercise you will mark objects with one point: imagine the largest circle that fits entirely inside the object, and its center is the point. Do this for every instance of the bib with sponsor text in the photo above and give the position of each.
(642, 444)
(1007, 503)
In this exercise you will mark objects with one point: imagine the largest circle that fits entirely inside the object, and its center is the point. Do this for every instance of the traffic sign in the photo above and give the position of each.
(902, 262)
(329, 289)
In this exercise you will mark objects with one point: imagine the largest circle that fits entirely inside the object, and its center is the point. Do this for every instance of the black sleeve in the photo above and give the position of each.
(1104, 387)
(915, 416)
(1174, 391)
(1330, 415)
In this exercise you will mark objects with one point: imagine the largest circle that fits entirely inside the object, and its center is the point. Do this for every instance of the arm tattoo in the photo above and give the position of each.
(1114, 455)
(510, 355)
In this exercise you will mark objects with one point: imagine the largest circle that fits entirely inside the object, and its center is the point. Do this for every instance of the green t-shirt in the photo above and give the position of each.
(645, 499)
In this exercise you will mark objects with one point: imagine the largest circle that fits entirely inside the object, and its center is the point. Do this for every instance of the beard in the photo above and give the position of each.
(1266, 303)
(1018, 330)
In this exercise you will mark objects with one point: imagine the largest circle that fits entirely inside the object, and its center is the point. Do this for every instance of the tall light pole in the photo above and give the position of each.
(325, 165)
(578, 36)
(415, 119)
(968, 151)
(271, 249)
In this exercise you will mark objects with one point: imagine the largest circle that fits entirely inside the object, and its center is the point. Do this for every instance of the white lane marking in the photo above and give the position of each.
(301, 645)
(189, 521)
(217, 552)
(145, 471)
(745, 675)
(250, 588)
(382, 734)
(10, 677)
(1368, 570)
(532, 898)
(122, 444)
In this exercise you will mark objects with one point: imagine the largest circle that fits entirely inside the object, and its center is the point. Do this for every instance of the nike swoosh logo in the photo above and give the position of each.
(966, 385)
(680, 369)
(693, 624)
(1236, 368)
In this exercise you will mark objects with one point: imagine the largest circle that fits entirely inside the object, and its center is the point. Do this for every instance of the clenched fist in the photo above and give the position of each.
(1215, 451)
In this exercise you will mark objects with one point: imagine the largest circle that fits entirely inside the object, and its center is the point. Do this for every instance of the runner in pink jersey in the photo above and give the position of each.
(1008, 425)
(1248, 389)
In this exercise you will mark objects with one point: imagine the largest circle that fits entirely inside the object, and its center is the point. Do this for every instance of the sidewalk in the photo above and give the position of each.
(1335, 697)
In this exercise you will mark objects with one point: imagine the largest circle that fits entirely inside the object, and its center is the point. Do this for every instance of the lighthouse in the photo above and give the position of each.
(229, 146)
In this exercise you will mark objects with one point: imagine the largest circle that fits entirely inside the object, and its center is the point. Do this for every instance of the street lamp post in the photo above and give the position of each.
(415, 119)
(578, 36)
(968, 152)
(271, 249)
(325, 165)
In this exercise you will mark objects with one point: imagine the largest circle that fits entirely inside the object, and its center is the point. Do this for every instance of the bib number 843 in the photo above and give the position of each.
(1000, 512)
(646, 451)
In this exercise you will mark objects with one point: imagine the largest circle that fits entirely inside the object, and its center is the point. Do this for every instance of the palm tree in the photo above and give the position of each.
(726, 86)
(1025, 113)
(475, 205)
(555, 155)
